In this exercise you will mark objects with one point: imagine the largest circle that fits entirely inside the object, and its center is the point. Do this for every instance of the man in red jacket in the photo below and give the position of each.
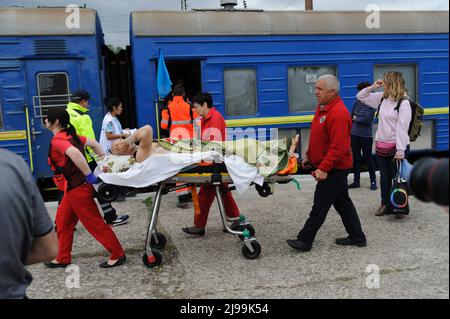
(330, 153)
(213, 128)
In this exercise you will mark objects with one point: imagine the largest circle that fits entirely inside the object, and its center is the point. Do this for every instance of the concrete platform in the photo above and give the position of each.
(411, 255)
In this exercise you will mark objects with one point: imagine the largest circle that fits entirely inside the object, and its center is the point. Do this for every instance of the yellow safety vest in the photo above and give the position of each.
(82, 122)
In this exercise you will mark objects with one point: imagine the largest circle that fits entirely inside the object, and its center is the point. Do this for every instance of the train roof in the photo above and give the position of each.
(44, 21)
(222, 23)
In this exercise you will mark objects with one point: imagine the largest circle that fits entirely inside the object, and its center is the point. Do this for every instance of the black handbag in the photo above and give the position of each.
(398, 195)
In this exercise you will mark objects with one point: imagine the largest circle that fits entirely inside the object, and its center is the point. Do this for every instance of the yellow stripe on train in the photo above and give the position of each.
(280, 120)
(13, 135)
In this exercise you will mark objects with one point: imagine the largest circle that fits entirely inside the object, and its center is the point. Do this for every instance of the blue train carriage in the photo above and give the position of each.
(41, 62)
(261, 67)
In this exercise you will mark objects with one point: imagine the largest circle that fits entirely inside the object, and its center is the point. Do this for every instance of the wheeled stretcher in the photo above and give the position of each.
(216, 175)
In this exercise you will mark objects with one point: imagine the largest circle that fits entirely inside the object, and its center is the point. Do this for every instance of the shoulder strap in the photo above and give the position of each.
(50, 160)
(379, 106)
(56, 169)
(78, 111)
(397, 108)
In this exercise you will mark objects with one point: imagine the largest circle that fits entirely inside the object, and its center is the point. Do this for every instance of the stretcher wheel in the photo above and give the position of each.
(252, 255)
(153, 261)
(108, 193)
(161, 244)
(250, 228)
(263, 190)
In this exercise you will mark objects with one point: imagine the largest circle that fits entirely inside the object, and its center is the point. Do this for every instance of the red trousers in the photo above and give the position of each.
(78, 204)
(206, 197)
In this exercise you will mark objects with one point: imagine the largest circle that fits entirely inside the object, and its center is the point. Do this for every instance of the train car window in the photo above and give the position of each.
(409, 73)
(53, 90)
(301, 86)
(240, 92)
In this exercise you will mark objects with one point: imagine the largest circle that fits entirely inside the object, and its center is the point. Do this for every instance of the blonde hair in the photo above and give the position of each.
(394, 85)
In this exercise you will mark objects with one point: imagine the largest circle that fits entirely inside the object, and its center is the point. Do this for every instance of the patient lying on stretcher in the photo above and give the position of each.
(140, 145)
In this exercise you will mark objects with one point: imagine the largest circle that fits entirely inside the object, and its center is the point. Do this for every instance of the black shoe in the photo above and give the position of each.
(381, 211)
(298, 245)
(119, 262)
(120, 220)
(353, 185)
(347, 241)
(55, 265)
(182, 205)
(194, 231)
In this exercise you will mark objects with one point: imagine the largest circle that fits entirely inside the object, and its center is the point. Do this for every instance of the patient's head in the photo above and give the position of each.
(122, 148)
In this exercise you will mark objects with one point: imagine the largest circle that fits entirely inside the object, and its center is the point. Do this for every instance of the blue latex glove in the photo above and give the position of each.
(92, 179)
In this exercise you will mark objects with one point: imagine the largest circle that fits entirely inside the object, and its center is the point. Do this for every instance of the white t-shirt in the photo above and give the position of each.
(110, 124)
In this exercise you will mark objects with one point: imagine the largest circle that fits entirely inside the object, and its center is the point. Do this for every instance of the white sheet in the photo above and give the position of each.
(158, 168)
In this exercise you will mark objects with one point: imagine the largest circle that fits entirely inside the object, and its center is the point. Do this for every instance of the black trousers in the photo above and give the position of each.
(109, 212)
(364, 145)
(332, 191)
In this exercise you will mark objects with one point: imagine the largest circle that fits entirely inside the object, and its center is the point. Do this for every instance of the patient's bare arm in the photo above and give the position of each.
(127, 146)
(294, 144)
(144, 136)
(123, 148)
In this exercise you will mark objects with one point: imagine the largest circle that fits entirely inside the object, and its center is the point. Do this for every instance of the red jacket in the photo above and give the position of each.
(213, 126)
(329, 142)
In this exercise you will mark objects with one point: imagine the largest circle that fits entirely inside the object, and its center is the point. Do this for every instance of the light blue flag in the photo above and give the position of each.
(163, 82)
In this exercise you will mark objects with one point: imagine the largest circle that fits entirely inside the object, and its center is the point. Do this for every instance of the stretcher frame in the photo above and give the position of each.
(155, 242)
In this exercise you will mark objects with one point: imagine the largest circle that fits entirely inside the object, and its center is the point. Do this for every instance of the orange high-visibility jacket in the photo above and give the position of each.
(181, 116)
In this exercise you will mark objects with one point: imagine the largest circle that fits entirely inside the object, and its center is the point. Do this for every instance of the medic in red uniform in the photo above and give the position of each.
(66, 156)
(213, 128)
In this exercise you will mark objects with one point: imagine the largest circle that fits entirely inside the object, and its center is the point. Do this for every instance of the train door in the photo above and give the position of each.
(13, 115)
(50, 83)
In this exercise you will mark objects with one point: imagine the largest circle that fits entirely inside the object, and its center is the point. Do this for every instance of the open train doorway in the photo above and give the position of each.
(187, 71)
(119, 83)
